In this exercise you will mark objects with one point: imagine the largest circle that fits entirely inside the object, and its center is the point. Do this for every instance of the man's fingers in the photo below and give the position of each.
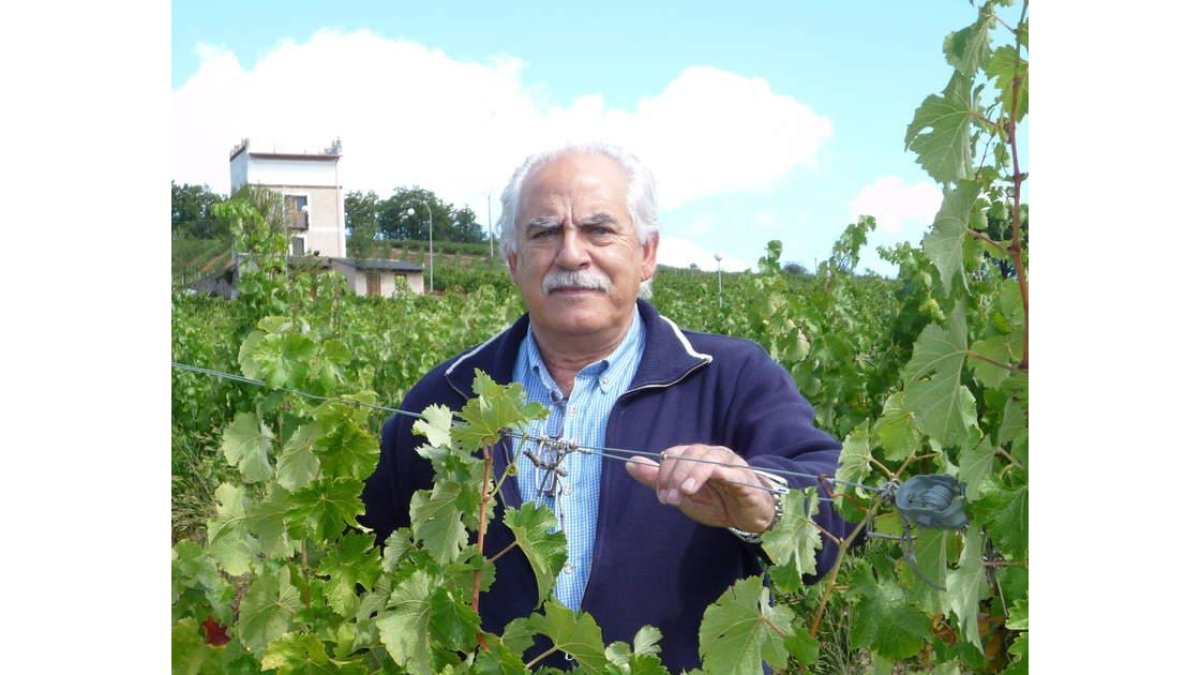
(643, 471)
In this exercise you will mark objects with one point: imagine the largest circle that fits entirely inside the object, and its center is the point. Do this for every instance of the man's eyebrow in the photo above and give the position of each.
(541, 222)
(599, 219)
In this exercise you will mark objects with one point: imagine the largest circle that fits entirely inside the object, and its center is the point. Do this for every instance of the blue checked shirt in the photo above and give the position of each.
(583, 417)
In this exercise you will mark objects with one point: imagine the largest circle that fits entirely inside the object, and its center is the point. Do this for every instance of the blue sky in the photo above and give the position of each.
(761, 120)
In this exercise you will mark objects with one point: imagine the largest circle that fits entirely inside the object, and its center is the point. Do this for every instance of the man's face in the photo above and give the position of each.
(578, 261)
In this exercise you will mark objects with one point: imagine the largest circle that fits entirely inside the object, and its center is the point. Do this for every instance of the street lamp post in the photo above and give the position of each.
(412, 211)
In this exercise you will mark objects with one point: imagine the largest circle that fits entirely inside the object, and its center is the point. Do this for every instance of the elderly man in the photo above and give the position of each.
(649, 543)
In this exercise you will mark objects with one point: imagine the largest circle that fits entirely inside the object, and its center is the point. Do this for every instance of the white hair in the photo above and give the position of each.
(639, 196)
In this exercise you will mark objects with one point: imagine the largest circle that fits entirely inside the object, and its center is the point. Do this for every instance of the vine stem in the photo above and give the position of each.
(837, 566)
(541, 656)
(1010, 458)
(841, 555)
(988, 240)
(827, 533)
(881, 466)
(981, 357)
(483, 505)
(506, 549)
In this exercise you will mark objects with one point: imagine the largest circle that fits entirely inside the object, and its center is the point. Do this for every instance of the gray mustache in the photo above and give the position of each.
(556, 279)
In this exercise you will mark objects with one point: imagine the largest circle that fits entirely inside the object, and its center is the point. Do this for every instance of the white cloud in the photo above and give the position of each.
(678, 252)
(408, 114)
(901, 211)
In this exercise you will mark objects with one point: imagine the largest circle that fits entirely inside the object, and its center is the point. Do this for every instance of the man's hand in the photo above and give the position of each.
(720, 496)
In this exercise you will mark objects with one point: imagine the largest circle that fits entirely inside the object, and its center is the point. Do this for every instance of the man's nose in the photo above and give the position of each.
(573, 251)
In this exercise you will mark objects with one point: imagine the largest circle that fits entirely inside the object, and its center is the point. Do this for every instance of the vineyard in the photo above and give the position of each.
(279, 396)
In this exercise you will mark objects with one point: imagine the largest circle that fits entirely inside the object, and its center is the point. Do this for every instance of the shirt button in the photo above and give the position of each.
(566, 490)
(568, 569)
(604, 380)
(571, 410)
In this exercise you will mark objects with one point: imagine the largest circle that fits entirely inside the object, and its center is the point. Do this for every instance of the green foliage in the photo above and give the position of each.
(192, 215)
(742, 629)
(925, 373)
(546, 551)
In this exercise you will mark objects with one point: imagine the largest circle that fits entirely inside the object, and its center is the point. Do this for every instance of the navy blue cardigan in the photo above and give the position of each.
(651, 565)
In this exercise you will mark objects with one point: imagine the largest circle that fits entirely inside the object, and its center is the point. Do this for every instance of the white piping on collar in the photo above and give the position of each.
(687, 345)
(473, 352)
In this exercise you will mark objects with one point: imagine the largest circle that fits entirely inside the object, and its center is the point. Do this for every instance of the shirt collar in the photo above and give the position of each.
(626, 350)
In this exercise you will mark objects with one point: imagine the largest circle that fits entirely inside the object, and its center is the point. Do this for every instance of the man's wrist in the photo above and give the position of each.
(778, 489)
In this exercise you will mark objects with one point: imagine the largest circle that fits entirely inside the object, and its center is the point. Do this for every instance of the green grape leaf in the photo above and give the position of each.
(346, 449)
(885, 621)
(518, 635)
(298, 466)
(496, 408)
(742, 629)
(192, 568)
(246, 442)
(1013, 582)
(435, 425)
(328, 506)
(546, 551)
(396, 548)
(975, 466)
(1006, 514)
(940, 132)
(855, 461)
(280, 359)
(795, 538)
(1015, 423)
(930, 550)
(1004, 66)
(1018, 616)
(266, 612)
(996, 349)
(228, 542)
(944, 408)
(575, 635)
(453, 625)
(895, 430)
(305, 653)
(943, 244)
(189, 653)
(804, 649)
(268, 520)
(647, 664)
(437, 520)
(969, 48)
(646, 641)
(500, 658)
(619, 654)
(350, 563)
(375, 600)
(1019, 650)
(404, 626)
(967, 584)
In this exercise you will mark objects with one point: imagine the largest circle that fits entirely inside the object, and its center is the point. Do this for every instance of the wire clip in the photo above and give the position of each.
(933, 501)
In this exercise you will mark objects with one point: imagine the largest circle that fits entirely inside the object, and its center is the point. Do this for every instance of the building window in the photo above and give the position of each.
(373, 284)
(295, 209)
(297, 245)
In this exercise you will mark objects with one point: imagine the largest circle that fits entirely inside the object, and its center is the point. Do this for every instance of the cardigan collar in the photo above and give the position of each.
(667, 359)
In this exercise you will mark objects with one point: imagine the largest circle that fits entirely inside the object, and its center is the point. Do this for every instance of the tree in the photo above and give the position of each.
(191, 213)
(465, 226)
(362, 226)
(449, 223)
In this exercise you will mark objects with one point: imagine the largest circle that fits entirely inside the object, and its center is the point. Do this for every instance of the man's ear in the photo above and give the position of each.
(649, 256)
(512, 267)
